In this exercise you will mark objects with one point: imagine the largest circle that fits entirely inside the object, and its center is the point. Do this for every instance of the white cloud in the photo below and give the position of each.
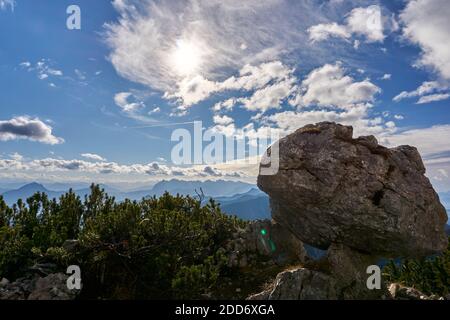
(16, 156)
(430, 141)
(426, 88)
(425, 23)
(54, 72)
(188, 49)
(386, 76)
(42, 69)
(269, 97)
(322, 32)
(7, 3)
(328, 86)
(25, 64)
(222, 120)
(93, 156)
(226, 105)
(25, 127)
(357, 116)
(154, 110)
(62, 168)
(127, 102)
(272, 77)
(366, 22)
(216, 29)
(433, 98)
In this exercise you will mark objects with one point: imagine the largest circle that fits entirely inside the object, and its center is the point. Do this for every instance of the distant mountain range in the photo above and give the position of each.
(215, 189)
(238, 198)
(252, 205)
(235, 198)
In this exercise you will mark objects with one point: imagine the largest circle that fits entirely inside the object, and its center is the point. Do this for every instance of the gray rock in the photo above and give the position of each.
(400, 292)
(52, 287)
(300, 284)
(44, 269)
(349, 269)
(332, 188)
(4, 282)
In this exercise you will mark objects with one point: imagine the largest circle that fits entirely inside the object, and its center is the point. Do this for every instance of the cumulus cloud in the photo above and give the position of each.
(425, 23)
(222, 120)
(328, 86)
(128, 102)
(326, 94)
(269, 97)
(368, 22)
(357, 116)
(428, 91)
(93, 156)
(25, 127)
(272, 78)
(324, 31)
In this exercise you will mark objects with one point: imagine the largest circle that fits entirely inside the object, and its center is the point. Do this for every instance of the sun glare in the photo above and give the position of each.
(186, 58)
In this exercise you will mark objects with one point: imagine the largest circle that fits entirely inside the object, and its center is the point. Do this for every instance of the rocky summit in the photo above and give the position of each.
(333, 188)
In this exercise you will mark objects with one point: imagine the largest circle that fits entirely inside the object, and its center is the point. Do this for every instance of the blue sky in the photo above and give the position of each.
(101, 103)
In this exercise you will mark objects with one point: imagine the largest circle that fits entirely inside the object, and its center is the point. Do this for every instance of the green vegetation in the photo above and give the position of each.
(166, 248)
(431, 275)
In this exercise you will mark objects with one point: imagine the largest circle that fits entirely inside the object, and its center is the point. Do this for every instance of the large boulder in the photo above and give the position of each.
(332, 188)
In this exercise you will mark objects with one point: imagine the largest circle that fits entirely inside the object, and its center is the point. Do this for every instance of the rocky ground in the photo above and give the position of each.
(39, 284)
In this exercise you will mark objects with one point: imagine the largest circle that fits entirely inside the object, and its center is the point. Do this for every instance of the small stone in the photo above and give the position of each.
(4, 282)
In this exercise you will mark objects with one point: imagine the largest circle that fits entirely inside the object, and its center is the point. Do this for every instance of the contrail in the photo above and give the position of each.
(161, 125)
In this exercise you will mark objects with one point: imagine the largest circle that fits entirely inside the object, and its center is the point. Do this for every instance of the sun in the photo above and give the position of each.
(186, 58)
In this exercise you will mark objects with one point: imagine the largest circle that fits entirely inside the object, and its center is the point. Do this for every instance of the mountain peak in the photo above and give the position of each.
(33, 185)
